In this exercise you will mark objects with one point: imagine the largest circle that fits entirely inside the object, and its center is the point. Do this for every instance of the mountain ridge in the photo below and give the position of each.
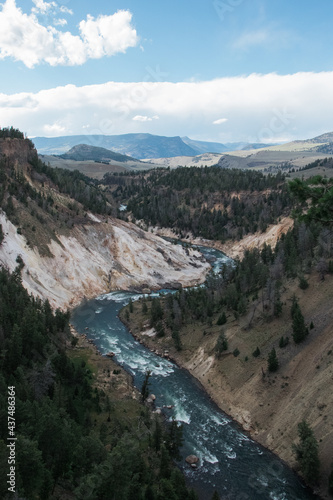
(83, 152)
(140, 146)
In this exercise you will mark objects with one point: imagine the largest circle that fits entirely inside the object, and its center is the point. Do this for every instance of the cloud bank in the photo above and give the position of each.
(25, 39)
(255, 108)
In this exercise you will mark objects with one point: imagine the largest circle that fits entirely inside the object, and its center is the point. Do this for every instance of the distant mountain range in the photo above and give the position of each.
(140, 146)
(174, 151)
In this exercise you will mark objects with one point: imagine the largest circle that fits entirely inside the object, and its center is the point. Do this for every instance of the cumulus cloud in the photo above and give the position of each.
(24, 38)
(41, 6)
(107, 35)
(220, 121)
(260, 108)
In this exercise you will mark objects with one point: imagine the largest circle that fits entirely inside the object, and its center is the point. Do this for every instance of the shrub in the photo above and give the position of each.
(222, 319)
(283, 342)
(256, 352)
(303, 283)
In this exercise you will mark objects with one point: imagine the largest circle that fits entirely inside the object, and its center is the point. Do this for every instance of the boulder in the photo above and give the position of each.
(192, 459)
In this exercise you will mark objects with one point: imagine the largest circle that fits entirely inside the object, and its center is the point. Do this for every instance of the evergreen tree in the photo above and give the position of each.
(174, 439)
(222, 319)
(157, 435)
(307, 453)
(283, 342)
(145, 386)
(277, 306)
(221, 344)
(130, 306)
(176, 339)
(215, 496)
(256, 352)
(273, 363)
(300, 331)
(303, 283)
(156, 312)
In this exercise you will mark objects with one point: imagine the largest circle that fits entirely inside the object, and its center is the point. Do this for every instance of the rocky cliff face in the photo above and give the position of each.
(18, 150)
(100, 257)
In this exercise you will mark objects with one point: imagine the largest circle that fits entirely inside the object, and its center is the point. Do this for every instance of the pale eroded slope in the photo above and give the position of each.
(99, 257)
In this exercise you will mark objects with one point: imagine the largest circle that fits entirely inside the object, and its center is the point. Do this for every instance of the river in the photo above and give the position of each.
(230, 462)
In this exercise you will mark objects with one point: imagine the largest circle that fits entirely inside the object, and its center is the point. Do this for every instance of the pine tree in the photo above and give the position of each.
(222, 319)
(130, 305)
(156, 311)
(300, 331)
(283, 342)
(145, 386)
(303, 283)
(273, 363)
(157, 435)
(307, 453)
(174, 439)
(256, 352)
(221, 344)
(176, 339)
(215, 496)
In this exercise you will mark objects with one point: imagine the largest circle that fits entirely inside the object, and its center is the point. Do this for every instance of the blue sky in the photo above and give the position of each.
(222, 70)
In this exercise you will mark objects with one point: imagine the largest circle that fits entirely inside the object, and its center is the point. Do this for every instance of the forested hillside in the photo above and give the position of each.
(74, 439)
(212, 202)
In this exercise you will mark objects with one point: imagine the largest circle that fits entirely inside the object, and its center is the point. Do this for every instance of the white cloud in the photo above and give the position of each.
(251, 38)
(60, 22)
(220, 121)
(267, 37)
(23, 38)
(43, 7)
(260, 108)
(107, 35)
(53, 129)
(65, 10)
(140, 118)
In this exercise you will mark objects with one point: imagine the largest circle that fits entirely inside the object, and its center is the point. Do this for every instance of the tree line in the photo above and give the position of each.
(211, 202)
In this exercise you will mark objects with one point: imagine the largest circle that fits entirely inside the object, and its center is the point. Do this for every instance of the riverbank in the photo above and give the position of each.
(109, 377)
(233, 248)
(269, 407)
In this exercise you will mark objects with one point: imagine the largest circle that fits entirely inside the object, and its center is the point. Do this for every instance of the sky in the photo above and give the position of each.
(216, 70)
